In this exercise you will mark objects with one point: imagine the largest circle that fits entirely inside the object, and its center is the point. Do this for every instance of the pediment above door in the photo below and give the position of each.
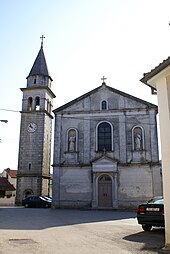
(104, 164)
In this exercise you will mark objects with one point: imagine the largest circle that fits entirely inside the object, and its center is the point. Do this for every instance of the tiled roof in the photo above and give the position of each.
(156, 70)
(11, 172)
(5, 185)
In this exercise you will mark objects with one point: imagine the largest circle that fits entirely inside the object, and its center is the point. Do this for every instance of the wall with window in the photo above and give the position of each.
(105, 132)
(86, 138)
(39, 100)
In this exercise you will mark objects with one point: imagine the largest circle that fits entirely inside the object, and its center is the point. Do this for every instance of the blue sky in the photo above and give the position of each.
(85, 39)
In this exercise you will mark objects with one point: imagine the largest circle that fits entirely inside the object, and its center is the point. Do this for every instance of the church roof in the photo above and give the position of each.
(148, 104)
(40, 66)
(5, 185)
(155, 71)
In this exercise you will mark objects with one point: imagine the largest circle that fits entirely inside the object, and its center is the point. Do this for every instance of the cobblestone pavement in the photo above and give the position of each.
(65, 231)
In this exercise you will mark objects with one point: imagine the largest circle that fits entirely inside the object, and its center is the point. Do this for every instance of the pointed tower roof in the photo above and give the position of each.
(40, 66)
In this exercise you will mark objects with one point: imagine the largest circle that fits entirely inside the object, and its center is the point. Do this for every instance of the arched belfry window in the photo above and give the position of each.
(104, 105)
(72, 139)
(37, 103)
(138, 138)
(29, 103)
(104, 137)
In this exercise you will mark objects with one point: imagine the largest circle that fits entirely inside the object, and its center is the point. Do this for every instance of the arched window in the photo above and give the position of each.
(105, 178)
(29, 103)
(37, 103)
(138, 138)
(72, 140)
(104, 105)
(104, 137)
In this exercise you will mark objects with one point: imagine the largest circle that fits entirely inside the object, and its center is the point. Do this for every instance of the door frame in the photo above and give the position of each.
(95, 198)
(104, 165)
(101, 194)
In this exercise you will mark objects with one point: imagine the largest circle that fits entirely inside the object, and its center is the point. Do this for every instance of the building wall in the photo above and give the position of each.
(74, 187)
(137, 175)
(35, 148)
(134, 185)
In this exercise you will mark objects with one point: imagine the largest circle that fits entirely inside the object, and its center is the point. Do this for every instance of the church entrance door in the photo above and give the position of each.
(105, 191)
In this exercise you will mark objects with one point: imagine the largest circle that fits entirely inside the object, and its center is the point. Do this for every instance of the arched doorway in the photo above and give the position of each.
(105, 191)
(27, 193)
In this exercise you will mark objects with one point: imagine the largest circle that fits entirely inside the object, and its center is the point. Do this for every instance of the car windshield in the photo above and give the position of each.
(44, 198)
(156, 201)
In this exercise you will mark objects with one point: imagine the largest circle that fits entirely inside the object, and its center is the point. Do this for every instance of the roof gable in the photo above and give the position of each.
(98, 90)
(11, 172)
(155, 71)
(5, 185)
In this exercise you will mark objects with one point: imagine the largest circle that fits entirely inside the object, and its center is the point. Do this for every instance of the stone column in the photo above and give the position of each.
(122, 138)
(94, 203)
(87, 142)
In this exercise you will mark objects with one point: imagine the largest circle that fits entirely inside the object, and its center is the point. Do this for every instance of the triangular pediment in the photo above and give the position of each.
(104, 160)
(90, 101)
(104, 164)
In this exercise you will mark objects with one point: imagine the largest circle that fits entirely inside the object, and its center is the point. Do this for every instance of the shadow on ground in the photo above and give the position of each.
(36, 219)
(152, 241)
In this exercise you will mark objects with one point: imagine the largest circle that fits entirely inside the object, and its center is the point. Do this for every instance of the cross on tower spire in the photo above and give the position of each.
(103, 83)
(42, 37)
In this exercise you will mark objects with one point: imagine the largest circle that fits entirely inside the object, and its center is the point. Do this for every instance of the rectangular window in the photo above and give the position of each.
(29, 166)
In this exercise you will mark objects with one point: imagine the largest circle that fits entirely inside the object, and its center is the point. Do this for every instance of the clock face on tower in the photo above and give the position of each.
(31, 127)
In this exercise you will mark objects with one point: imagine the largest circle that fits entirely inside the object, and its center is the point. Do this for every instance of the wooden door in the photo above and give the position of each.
(105, 191)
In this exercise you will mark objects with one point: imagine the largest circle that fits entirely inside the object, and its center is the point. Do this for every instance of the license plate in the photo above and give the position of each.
(152, 209)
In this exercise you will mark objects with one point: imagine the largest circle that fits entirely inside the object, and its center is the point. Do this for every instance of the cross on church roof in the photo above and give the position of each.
(103, 80)
(42, 37)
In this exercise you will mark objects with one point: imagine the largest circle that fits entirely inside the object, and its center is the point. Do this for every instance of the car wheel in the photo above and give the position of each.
(26, 205)
(146, 227)
(46, 206)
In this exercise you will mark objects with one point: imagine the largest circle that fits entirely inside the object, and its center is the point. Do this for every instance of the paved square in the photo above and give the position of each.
(62, 231)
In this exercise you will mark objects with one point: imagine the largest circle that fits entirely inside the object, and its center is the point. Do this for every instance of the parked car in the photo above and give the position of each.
(47, 197)
(36, 201)
(151, 213)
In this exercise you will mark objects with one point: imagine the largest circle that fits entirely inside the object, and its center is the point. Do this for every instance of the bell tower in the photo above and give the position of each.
(33, 177)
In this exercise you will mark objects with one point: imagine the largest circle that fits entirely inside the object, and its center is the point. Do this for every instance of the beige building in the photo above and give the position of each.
(11, 175)
(159, 81)
(8, 186)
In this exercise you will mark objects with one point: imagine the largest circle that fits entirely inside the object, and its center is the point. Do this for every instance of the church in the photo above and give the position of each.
(105, 151)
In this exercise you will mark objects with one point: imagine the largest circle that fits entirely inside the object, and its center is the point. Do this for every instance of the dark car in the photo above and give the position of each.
(36, 201)
(47, 197)
(151, 213)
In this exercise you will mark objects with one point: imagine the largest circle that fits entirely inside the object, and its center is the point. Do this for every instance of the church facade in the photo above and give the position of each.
(105, 151)
(105, 146)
